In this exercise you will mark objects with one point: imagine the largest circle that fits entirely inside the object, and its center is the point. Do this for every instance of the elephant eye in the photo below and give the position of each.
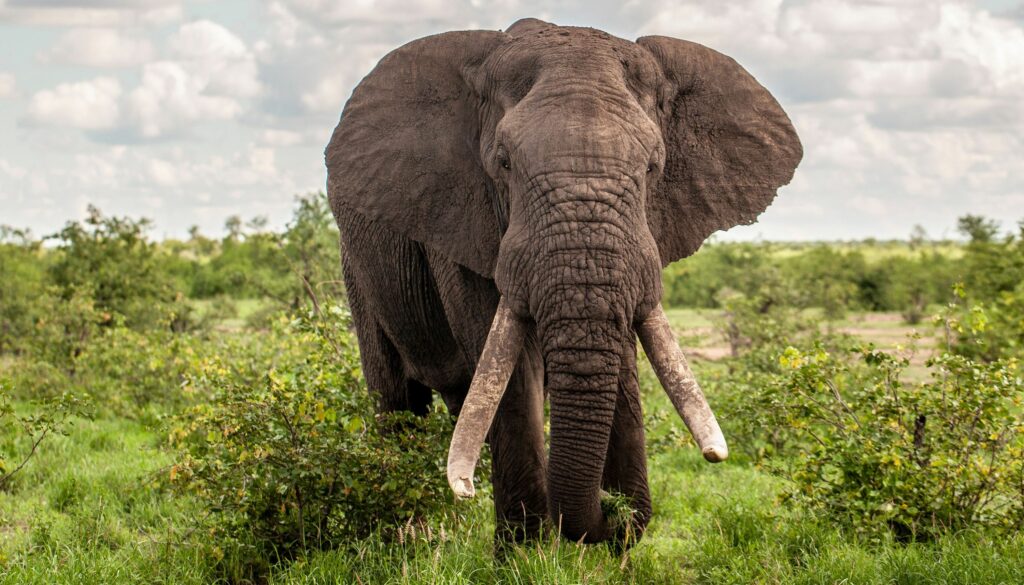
(504, 162)
(650, 168)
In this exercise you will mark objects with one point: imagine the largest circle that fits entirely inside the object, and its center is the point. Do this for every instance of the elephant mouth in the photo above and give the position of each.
(501, 350)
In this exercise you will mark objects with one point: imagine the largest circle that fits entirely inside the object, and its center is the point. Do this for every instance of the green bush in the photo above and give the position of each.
(110, 260)
(135, 374)
(870, 450)
(989, 330)
(758, 329)
(920, 459)
(293, 267)
(828, 278)
(62, 329)
(765, 319)
(22, 272)
(77, 348)
(287, 452)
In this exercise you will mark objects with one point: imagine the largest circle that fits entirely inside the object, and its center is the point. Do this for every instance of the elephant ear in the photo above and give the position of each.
(729, 147)
(405, 153)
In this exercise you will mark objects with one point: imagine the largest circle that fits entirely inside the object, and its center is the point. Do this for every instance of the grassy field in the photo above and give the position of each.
(873, 251)
(87, 509)
(887, 331)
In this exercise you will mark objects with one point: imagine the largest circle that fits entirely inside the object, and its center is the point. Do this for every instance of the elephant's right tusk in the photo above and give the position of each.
(501, 351)
(676, 377)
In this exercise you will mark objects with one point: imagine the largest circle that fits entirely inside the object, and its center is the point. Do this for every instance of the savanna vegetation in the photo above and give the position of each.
(192, 411)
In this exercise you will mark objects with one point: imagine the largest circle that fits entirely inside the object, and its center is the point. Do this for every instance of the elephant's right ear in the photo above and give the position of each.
(406, 151)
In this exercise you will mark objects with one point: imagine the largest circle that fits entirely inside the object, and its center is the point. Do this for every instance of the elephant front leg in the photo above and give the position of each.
(518, 456)
(625, 469)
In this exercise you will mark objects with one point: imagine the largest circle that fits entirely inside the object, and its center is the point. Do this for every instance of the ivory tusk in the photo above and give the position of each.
(682, 388)
(499, 356)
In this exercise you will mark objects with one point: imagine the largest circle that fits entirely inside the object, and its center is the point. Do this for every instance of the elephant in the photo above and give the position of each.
(506, 201)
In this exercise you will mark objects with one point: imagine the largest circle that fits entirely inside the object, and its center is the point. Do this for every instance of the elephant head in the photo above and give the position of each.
(569, 166)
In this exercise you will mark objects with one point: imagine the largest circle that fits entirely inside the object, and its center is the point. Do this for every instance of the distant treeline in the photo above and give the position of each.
(111, 262)
(872, 276)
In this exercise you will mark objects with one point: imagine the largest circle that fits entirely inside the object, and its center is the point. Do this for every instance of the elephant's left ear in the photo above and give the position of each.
(729, 145)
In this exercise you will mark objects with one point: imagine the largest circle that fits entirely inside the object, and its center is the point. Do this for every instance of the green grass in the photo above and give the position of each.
(685, 319)
(873, 251)
(87, 509)
(243, 309)
(83, 511)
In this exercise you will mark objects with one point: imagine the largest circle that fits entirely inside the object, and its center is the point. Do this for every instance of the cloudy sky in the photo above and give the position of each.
(910, 111)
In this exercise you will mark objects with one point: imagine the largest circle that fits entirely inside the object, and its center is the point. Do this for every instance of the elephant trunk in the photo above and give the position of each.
(582, 365)
(587, 274)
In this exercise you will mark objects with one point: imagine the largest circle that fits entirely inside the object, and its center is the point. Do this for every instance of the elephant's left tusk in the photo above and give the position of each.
(681, 386)
(501, 350)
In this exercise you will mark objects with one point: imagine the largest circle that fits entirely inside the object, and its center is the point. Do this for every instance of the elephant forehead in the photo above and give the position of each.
(580, 122)
(569, 54)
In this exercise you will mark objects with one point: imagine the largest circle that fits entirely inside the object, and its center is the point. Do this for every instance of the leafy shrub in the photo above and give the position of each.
(919, 458)
(990, 330)
(61, 331)
(700, 280)
(287, 452)
(22, 274)
(77, 348)
(293, 267)
(111, 261)
(764, 319)
(136, 374)
(758, 329)
(828, 278)
(875, 452)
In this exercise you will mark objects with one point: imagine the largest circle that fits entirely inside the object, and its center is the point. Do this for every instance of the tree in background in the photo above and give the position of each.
(978, 229)
(311, 245)
(291, 268)
(111, 261)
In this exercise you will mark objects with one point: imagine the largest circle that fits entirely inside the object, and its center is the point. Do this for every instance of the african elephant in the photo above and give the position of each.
(506, 202)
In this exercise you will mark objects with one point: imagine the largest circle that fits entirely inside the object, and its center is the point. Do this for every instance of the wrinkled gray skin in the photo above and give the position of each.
(561, 168)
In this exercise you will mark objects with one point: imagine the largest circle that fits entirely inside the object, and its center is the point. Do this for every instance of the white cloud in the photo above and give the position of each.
(211, 76)
(263, 161)
(215, 54)
(7, 84)
(274, 137)
(90, 12)
(909, 112)
(99, 47)
(328, 95)
(11, 170)
(88, 105)
(371, 11)
(869, 205)
(170, 97)
(995, 46)
(164, 173)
